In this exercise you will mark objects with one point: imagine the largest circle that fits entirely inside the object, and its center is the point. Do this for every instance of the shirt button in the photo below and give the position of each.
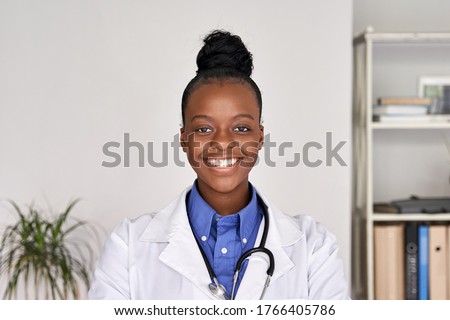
(203, 238)
(217, 219)
(224, 250)
(244, 240)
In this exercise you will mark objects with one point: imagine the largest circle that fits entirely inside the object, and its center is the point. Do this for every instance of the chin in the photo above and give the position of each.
(223, 185)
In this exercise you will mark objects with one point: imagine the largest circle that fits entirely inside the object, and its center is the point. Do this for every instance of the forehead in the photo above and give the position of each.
(222, 99)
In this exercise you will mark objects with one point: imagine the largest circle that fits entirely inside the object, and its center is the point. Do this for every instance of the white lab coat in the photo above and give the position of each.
(156, 257)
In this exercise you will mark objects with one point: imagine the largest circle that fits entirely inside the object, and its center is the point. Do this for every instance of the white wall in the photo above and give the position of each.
(77, 74)
(401, 15)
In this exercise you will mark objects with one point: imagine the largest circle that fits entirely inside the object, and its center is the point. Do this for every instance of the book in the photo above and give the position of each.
(438, 262)
(448, 262)
(433, 118)
(389, 261)
(411, 260)
(405, 100)
(423, 262)
(383, 207)
(401, 110)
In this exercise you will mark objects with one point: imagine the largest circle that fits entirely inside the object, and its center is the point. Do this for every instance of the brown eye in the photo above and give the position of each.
(203, 130)
(241, 129)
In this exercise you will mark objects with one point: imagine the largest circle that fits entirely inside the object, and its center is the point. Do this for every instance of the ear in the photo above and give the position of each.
(183, 141)
(261, 137)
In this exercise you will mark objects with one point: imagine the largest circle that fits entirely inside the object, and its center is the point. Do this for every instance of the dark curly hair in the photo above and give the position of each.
(223, 57)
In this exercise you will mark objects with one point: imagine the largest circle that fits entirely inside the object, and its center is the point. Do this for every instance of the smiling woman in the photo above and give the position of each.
(221, 137)
(221, 238)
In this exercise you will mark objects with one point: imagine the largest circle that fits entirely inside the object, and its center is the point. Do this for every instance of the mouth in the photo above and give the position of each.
(221, 163)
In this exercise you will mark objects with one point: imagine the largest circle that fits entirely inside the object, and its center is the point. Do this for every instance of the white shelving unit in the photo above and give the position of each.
(363, 151)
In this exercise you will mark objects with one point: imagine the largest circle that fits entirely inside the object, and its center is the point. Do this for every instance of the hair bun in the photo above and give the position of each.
(222, 49)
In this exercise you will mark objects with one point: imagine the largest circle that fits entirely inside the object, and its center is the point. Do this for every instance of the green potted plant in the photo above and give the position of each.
(48, 255)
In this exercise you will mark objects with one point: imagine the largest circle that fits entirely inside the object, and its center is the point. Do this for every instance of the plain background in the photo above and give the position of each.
(77, 74)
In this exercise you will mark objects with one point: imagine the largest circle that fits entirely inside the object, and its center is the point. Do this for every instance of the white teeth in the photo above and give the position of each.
(221, 163)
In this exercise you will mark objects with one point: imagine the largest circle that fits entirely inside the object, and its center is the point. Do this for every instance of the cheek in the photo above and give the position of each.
(196, 150)
(193, 161)
(192, 145)
(250, 148)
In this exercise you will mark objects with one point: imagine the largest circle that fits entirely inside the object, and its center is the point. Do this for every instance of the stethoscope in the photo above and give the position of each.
(217, 289)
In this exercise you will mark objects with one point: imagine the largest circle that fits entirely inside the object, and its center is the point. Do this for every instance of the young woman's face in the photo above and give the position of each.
(222, 134)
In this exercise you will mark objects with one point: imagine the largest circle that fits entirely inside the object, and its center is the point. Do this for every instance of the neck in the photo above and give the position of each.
(225, 203)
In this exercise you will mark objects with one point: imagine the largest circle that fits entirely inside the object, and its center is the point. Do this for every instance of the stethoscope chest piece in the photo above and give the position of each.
(218, 291)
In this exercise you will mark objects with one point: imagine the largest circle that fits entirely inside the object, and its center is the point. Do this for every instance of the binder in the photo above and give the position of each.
(423, 262)
(411, 260)
(389, 255)
(438, 262)
(448, 262)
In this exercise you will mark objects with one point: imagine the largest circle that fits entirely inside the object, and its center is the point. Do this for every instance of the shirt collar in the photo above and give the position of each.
(249, 216)
(201, 214)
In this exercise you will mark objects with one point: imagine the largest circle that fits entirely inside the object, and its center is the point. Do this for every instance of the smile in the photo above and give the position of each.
(221, 163)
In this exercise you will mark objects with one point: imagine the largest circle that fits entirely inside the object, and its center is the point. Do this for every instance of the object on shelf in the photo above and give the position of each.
(425, 118)
(389, 261)
(411, 262)
(418, 101)
(414, 205)
(438, 89)
(438, 262)
(423, 205)
(392, 109)
(385, 208)
(423, 254)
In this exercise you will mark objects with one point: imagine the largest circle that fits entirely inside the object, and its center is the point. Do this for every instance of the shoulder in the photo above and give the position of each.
(307, 229)
(317, 235)
(325, 268)
(132, 227)
(155, 226)
(293, 228)
(310, 226)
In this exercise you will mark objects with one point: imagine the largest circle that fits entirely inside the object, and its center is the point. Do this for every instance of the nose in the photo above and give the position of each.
(222, 140)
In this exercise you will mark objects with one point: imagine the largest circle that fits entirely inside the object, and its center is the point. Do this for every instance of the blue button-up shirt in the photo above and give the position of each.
(224, 238)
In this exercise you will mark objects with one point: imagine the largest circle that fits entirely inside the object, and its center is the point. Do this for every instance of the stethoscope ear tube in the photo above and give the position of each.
(240, 262)
(248, 253)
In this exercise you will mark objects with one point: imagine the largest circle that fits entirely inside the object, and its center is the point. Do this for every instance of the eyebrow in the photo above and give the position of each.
(201, 116)
(239, 116)
(244, 115)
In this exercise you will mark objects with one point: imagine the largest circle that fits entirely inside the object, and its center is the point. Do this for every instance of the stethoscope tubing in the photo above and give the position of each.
(242, 258)
(247, 255)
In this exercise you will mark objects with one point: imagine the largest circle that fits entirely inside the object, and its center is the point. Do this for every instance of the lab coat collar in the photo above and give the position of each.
(171, 225)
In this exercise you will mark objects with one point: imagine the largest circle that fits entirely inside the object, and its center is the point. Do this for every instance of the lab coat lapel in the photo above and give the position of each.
(252, 283)
(182, 253)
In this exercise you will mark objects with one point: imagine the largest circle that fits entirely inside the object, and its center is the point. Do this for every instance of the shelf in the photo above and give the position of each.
(410, 216)
(413, 55)
(411, 125)
(434, 37)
